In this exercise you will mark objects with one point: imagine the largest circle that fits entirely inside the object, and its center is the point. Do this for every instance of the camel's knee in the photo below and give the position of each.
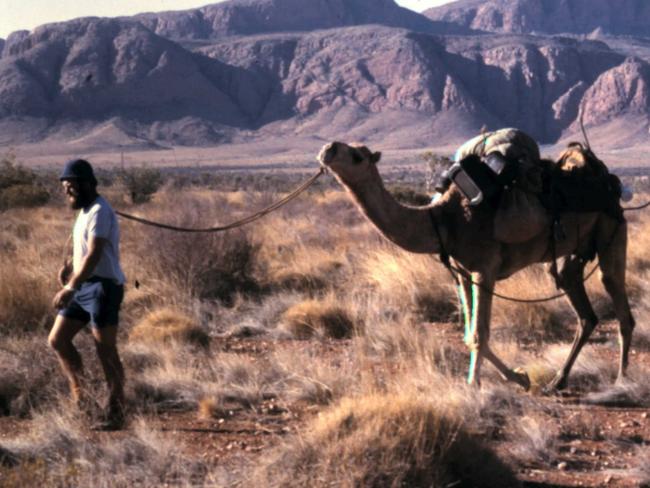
(586, 326)
(570, 274)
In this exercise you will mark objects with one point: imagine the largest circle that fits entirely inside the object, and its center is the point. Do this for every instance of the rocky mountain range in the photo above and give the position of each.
(614, 17)
(369, 70)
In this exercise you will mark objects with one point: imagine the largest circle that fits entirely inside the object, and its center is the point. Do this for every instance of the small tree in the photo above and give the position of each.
(19, 186)
(435, 165)
(141, 183)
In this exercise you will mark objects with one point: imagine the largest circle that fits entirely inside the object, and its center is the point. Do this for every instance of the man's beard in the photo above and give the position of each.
(82, 199)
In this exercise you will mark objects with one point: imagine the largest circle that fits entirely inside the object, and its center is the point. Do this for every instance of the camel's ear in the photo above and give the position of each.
(375, 157)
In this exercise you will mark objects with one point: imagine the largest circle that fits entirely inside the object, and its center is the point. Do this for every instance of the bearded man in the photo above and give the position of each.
(92, 290)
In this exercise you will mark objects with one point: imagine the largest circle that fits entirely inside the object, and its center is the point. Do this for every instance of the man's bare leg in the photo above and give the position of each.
(106, 345)
(60, 339)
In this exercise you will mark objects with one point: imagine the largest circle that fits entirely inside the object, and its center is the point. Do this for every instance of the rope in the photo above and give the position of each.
(232, 225)
(640, 207)
(453, 269)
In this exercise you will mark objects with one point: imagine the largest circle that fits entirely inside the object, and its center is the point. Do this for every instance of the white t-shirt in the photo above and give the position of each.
(98, 220)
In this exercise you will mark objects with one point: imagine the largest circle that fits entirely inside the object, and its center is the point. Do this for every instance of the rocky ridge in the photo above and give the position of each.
(614, 17)
(250, 17)
(160, 79)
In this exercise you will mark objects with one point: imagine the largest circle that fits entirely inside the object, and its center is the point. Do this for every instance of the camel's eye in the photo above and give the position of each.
(356, 157)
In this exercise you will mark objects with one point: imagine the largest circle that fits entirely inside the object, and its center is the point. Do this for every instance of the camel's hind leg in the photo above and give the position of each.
(612, 250)
(571, 281)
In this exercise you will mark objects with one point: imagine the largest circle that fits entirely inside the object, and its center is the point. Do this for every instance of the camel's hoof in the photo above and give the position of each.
(522, 378)
(558, 384)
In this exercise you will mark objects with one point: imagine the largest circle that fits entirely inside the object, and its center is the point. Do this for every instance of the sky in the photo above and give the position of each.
(27, 14)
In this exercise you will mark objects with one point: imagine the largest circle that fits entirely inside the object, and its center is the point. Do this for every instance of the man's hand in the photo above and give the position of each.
(65, 272)
(62, 298)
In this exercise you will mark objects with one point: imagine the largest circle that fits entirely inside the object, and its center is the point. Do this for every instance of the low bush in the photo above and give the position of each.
(165, 325)
(19, 186)
(386, 440)
(205, 266)
(141, 183)
(317, 318)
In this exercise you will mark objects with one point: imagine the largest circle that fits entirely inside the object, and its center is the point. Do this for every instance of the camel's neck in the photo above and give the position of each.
(409, 227)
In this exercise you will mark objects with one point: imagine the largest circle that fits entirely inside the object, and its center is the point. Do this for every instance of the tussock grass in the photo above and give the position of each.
(58, 453)
(26, 384)
(25, 299)
(634, 391)
(212, 266)
(536, 440)
(536, 322)
(588, 372)
(29, 259)
(415, 281)
(167, 324)
(639, 243)
(302, 253)
(314, 378)
(180, 379)
(318, 318)
(385, 440)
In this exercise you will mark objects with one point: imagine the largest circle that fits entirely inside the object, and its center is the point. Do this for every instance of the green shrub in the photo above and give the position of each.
(23, 196)
(141, 183)
(435, 165)
(19, 186)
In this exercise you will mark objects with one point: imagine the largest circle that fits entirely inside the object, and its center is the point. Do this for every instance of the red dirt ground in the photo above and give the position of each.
(595, 442)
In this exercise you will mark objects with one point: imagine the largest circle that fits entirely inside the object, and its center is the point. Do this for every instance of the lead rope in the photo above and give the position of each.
(232, 225)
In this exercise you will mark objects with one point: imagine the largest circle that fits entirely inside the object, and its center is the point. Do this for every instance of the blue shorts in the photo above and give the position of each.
(97, 301)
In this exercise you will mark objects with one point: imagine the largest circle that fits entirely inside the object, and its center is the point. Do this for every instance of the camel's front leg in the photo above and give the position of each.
(478, 338)
(465, 299)
(477, 334)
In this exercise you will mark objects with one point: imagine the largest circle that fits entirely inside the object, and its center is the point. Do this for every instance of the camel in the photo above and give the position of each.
(450, 226)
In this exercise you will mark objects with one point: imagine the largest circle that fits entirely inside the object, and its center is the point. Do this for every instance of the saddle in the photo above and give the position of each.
(503, 169)
(581, 182)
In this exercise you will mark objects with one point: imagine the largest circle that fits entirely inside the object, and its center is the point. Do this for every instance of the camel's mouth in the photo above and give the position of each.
(327, 154)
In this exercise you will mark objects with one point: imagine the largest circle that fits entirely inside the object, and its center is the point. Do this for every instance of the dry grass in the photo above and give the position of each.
(56, 452)
(415, 281)
(537, 322)
(537, 439)
(185, 267)
(318, 318)
(31, 250)
(394, 407)
(167, 324)
(301, 253)
(385, 440)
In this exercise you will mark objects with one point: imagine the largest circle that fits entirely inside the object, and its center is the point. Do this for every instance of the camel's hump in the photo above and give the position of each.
(512, 143)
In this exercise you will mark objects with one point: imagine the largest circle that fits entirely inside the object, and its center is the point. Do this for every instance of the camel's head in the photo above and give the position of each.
(351, 163)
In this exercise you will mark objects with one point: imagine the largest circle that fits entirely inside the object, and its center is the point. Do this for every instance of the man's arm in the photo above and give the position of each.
(66, 269)
(89, 262)
(88, 265)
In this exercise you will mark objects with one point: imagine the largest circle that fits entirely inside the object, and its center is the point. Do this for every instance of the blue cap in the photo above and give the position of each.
(78, 169)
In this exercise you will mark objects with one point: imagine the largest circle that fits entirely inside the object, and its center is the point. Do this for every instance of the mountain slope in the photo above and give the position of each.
(619, 17)
(247, 17)
(95, 69)
(102, 82)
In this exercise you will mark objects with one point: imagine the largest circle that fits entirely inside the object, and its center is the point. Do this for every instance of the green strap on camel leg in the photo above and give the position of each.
(470, 319)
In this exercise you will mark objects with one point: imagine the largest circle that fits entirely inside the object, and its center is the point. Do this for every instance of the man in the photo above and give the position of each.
(92, 290)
